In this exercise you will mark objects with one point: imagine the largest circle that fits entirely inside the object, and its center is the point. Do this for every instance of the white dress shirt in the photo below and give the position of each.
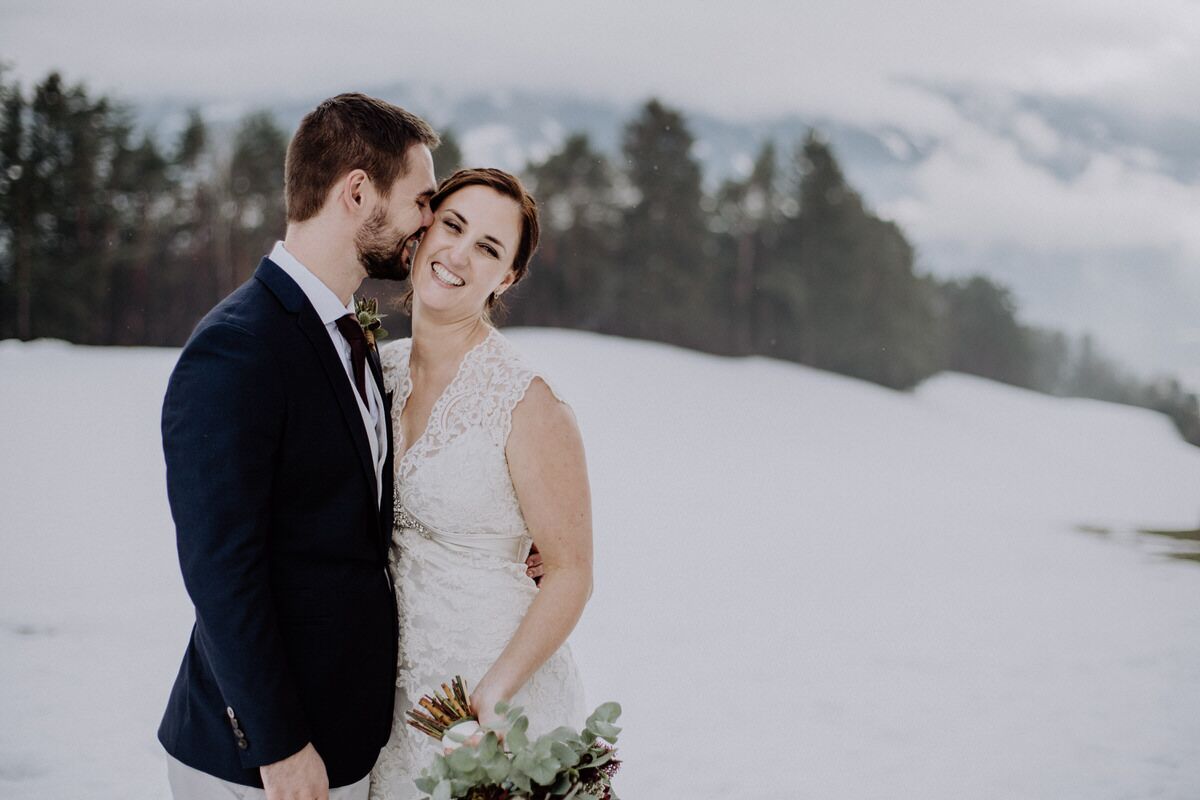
(329, 308)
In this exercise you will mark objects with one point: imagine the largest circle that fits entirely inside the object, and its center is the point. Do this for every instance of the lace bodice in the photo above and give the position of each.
(454, 477)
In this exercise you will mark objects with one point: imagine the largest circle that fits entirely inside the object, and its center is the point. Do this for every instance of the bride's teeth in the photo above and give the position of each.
(446, 276)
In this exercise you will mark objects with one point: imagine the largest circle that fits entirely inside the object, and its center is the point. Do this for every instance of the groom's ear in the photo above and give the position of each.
(355, 186)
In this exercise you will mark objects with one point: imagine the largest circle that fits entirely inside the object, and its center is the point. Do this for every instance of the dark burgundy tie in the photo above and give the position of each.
(350, 328)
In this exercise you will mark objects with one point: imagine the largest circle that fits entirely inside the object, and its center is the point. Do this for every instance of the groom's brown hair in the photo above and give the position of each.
(350, 131)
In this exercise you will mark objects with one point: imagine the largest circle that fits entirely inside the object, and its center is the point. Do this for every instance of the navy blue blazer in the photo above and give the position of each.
(282, 544)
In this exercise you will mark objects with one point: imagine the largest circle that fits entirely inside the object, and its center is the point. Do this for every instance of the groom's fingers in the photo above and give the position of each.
(533, 566)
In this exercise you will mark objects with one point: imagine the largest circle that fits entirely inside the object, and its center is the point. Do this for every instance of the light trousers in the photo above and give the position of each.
(188, 783)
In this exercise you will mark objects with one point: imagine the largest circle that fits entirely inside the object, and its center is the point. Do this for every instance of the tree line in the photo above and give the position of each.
(109, 236)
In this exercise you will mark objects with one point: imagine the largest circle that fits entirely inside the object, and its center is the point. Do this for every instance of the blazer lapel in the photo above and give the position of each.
(387, 497)
(293, 300)
(318, 336)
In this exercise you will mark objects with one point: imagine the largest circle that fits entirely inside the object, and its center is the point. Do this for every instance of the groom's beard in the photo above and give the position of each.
(384, 256)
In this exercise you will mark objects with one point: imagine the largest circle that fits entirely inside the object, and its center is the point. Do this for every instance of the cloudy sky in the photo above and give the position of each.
(1112, 244)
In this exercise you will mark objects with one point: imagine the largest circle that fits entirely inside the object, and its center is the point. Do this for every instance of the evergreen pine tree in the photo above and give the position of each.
(448, 158)
(666, 264)
(573, 283)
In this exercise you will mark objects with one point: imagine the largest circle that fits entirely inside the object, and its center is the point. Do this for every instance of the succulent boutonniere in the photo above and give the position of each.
(367, 312)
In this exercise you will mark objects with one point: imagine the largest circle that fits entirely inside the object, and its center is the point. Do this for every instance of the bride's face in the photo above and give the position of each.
(467, 253)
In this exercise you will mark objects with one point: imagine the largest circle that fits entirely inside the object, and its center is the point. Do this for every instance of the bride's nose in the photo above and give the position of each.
(460, 253)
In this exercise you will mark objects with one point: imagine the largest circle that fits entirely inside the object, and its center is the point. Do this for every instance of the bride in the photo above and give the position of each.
(489, 461)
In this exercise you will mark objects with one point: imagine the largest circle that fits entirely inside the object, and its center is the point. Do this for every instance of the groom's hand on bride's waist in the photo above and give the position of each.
(533, 565)
(300, 776)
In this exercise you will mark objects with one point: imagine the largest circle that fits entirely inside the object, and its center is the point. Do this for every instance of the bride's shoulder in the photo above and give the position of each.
(393, 356)
(524, 377)
(394, 349)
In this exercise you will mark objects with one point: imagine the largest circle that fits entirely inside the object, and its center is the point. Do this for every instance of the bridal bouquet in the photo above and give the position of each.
(561, 764)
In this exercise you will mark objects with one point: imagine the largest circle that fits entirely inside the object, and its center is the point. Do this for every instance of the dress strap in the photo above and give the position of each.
(511, 378)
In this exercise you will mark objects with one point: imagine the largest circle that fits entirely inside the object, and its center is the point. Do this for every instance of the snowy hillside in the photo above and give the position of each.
(807, 586)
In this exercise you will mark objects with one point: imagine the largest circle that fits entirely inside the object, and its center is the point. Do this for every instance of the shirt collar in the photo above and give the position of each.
(326, 303)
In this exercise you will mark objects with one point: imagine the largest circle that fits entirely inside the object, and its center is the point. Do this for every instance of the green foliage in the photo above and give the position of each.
(448, 157)
(562, 763)
(983, 334)
(128, 243)
(572, 282)
(665, 261)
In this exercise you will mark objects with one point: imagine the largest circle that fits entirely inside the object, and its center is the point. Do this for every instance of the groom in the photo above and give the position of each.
(276, 433)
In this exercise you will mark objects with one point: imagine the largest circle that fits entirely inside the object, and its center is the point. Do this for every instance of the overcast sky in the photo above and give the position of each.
(856, 60)
(743, 57)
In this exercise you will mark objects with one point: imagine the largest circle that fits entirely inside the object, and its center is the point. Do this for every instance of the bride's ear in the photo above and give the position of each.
(508, 281)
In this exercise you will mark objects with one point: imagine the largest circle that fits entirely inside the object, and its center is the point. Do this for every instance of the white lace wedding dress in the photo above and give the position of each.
(458, 550)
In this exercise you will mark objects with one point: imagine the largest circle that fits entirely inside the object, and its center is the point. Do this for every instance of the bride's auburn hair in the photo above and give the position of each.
(347, 132)
(506, 185)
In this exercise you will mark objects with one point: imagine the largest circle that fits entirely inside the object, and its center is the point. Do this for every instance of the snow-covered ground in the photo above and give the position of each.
(807, 586)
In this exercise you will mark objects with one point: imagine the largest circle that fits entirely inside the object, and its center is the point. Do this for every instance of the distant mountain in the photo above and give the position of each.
(511, 128)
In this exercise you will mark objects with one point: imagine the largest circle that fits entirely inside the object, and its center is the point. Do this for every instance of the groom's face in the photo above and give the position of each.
(388, 238)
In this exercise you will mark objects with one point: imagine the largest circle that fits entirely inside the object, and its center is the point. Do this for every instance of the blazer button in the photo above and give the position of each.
(229, 712)
(243, 744)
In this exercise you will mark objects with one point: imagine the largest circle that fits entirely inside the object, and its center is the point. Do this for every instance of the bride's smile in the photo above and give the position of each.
(446, 276)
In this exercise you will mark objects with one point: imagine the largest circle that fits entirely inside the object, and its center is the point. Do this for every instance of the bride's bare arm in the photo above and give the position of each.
(549, 473)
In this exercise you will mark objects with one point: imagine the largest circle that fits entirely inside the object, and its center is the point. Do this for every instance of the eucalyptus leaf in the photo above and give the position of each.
(516, 738)
(609, 712)
(497, 768)
(564, 753)
(604, 730)
(543, 772)
(489, 747)
(562, 784)
(520, 780)
(460, 787)
(463, 759)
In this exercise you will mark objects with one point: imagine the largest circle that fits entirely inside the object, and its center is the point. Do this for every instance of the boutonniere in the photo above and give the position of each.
(367, 313)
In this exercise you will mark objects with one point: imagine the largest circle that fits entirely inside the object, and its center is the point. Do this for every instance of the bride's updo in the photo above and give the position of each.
(509, 186)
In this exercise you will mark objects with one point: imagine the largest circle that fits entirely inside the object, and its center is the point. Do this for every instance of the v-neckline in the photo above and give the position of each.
(408, 378)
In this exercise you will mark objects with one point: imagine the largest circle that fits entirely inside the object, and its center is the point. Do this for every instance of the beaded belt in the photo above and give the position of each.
(512, 547)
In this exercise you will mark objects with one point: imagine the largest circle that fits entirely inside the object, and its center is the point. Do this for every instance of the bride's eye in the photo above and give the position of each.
(491, 251)
(452, 225)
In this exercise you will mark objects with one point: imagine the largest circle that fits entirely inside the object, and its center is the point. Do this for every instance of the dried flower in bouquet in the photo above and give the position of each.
(442, 710)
